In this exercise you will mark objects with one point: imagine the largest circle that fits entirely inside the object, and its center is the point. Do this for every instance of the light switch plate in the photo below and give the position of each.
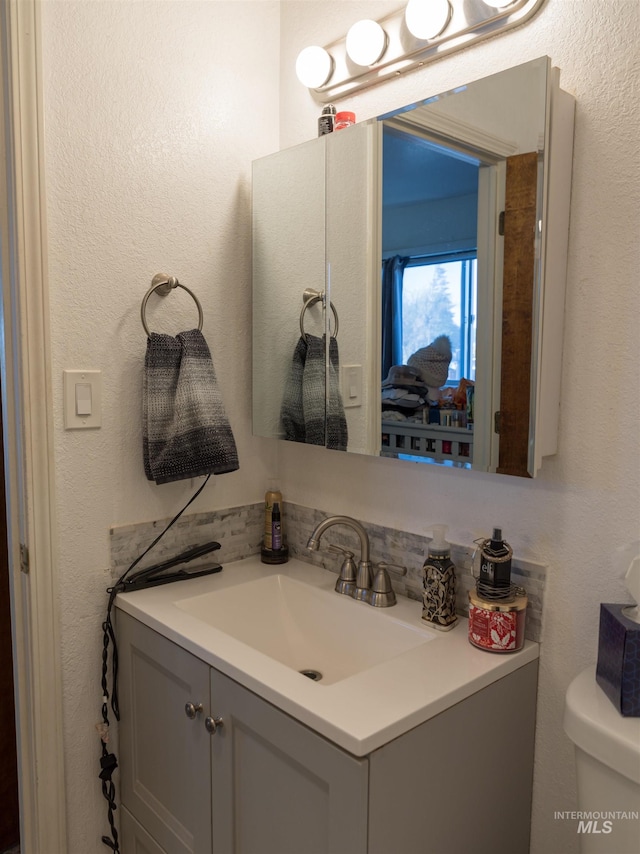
(79, 398)
(351, 385)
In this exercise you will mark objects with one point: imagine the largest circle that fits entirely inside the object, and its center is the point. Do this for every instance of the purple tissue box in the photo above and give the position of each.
(618, 669)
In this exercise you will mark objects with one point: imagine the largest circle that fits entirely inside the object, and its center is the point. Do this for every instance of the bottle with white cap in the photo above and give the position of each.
(439, 597)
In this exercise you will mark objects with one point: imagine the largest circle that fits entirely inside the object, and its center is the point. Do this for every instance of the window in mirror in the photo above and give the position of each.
(430, 270)
(439, 297)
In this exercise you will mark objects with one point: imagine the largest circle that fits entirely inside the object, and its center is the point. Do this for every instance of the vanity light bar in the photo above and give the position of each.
(409, 38)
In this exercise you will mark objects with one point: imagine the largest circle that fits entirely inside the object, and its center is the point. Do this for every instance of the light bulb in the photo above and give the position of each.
(426, 19)
(314, 66)
(499, 4)
(366, 42)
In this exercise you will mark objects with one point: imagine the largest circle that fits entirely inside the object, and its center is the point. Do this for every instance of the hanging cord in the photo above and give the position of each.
(108, 761)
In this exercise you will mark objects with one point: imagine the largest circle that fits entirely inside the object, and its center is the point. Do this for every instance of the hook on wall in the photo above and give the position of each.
(163, 284)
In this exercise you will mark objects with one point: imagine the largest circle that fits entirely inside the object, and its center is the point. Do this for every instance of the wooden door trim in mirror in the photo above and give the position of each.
(517, 311)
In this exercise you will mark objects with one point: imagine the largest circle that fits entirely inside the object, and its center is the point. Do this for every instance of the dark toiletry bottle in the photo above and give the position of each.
(495, 566)
(276, 528)
(272, 496)
(327, 120)
(274, 548)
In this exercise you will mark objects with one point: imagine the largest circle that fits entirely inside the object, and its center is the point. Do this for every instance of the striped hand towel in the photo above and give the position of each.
(185, 429)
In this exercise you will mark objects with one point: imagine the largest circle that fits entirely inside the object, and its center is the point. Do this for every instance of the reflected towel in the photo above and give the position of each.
(291, 411)
(337, 434)
(303, 412)
(313, 385)
(185, 428)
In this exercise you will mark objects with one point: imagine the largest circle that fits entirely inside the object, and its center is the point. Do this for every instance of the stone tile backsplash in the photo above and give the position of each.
(410, 550)
(237, 529)
(239, 532)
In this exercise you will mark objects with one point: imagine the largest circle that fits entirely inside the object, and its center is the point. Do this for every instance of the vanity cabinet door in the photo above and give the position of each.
(134, 839)
(278, 787)
(165, 767)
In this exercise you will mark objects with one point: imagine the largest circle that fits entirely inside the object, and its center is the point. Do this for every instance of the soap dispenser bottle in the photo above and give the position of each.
(439, 597)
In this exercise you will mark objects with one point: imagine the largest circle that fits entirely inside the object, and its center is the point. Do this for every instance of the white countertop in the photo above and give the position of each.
(360, 713)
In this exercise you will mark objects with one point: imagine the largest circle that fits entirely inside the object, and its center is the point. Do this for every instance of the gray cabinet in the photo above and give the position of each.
(263, 783)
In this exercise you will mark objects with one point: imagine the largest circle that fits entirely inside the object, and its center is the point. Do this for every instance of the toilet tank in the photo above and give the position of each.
(607, 747)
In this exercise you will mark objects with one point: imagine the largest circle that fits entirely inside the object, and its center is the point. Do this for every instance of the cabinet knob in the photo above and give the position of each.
(213, 724)
(191, 709)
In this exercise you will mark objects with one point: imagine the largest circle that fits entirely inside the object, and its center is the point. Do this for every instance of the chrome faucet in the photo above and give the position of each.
(362, 588)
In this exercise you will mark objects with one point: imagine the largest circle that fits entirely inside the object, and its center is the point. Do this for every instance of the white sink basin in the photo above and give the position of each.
(305, 628)
(384, 670)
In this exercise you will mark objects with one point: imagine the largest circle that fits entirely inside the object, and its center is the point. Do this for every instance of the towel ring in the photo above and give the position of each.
(163, 285)
(311, 297)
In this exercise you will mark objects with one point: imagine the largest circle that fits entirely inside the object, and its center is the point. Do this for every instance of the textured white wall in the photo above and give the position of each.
(153, 114)
(584, 505)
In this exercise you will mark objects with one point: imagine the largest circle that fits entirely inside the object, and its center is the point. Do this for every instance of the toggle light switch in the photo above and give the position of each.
(82, 399)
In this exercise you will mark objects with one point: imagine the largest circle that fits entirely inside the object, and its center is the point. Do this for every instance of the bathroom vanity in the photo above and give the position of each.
(409, 746)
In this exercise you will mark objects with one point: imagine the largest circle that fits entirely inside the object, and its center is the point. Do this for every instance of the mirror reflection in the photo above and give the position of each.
(429, 295)
(420, 231)
(445, 166)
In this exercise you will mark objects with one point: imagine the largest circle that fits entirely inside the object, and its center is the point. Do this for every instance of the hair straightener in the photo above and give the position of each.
(158, 574)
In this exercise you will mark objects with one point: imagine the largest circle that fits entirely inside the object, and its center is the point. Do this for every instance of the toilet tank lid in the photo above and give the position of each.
(592, 722)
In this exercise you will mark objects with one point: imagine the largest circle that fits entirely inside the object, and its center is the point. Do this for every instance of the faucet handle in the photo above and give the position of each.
(346, 583)
(395, 568)
(339, 550)
(382, 594)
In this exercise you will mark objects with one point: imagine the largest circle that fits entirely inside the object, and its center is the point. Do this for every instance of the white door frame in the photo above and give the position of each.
(28, 435)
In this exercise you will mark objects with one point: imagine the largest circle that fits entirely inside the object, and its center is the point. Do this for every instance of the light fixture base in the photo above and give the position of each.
(470, 22)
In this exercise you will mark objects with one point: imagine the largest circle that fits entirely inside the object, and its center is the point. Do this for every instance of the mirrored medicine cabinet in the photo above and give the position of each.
(447, 217)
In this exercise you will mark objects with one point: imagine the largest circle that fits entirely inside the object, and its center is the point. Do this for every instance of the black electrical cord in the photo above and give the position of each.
(108, 761)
